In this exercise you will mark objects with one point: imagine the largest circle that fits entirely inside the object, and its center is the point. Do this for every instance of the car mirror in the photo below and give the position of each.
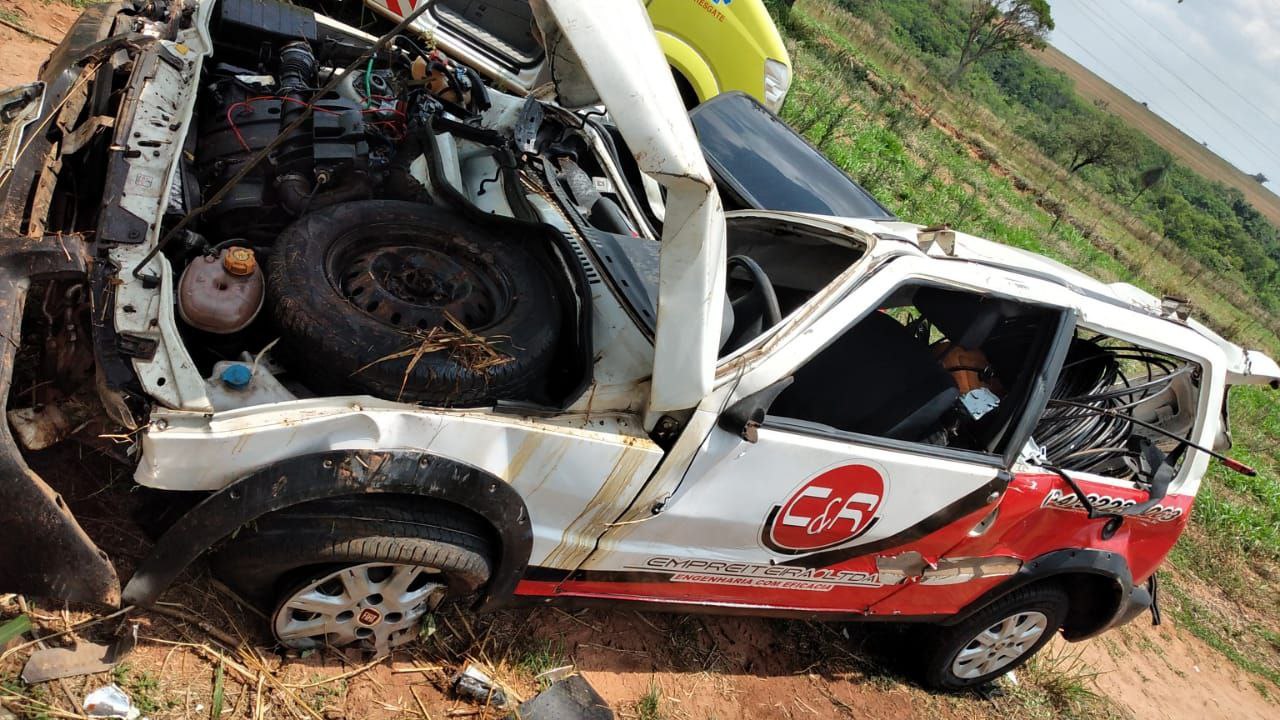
(744, 417)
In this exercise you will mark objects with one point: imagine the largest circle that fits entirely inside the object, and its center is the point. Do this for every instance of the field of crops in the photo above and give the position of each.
(1183, 146)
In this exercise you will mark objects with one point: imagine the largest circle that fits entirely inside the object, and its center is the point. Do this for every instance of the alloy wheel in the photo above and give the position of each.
(374, 605)
(1000, 644)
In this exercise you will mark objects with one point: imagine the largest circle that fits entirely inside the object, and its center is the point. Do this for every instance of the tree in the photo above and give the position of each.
(999, 26)
(1098, 139)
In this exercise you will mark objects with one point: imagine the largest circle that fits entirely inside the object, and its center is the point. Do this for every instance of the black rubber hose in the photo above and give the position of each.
(293, 192)
(297, 196)
(479, 92)
(297, 68)
(400, 183)
(606, 215)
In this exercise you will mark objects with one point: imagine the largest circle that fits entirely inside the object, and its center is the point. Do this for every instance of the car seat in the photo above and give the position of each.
(876, 379)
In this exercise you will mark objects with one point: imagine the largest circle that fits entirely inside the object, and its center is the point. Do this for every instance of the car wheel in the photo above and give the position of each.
(340, 573)
(999, 638)
(366, 295)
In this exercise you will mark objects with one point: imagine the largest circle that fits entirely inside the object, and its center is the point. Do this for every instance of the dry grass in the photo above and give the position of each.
(464, 347)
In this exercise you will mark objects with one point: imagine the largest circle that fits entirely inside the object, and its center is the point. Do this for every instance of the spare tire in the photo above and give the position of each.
(364, 293)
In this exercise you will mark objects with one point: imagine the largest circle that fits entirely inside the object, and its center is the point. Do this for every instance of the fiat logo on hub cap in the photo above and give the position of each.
(829, 509)
(369, 616)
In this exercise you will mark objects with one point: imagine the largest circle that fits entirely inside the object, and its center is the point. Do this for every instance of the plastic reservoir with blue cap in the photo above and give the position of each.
(237, 384)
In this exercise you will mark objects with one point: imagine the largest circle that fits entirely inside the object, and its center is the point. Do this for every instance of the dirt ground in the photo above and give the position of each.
(21, 54)
(646, 666)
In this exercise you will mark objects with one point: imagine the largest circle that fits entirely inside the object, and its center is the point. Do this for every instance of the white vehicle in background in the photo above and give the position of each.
(379, 335)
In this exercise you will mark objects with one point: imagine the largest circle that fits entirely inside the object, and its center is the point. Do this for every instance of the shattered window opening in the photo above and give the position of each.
(936, 367)
(1121, 382)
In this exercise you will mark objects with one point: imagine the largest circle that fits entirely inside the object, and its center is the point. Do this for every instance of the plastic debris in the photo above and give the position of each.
(84, 658)
(572, 698)
(555, 675)
(110, 701)
(473, 683)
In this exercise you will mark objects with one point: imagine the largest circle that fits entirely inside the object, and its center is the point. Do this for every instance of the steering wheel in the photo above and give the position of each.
(754, 311)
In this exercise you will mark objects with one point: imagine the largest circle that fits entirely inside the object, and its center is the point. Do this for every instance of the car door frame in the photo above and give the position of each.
(1016, 436)
(925, 273)
(776, 355)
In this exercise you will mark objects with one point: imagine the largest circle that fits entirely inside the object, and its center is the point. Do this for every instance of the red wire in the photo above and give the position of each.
(247, 102)
(392, 124)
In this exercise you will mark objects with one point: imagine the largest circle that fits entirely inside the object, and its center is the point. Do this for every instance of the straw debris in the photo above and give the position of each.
(474, 352)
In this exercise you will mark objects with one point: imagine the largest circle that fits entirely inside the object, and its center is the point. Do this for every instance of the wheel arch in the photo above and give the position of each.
(373, 474)
(1098, 583)
(687, 93)
(690, 65)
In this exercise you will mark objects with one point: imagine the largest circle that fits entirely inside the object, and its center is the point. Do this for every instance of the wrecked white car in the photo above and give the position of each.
(386, 336)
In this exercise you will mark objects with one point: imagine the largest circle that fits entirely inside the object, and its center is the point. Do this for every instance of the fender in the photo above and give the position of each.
(1091, 614)
(334, 474)
(45, 552)
(690, 64)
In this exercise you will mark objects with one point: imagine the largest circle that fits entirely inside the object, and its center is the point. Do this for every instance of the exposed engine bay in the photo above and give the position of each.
(340, 231)
(355, 145)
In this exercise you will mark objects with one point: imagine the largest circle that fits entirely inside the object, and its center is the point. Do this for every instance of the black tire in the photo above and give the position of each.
(343, 323)
(1049, 600)
(270, 556)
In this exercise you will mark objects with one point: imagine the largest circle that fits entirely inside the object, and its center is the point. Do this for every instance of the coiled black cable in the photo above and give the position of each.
(1101, 382)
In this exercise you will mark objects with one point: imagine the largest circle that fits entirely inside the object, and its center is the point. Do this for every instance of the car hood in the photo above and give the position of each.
(607, 53)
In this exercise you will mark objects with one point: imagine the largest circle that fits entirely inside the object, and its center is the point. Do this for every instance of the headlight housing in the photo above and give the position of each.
(777, 80)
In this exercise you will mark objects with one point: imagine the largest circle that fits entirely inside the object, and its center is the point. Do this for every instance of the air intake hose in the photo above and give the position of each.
(297, 69)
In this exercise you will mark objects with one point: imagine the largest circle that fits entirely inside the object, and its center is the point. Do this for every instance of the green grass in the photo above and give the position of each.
(1234, 544)
(928, 156)
(919, 171)
(10, 16)
(31, 701)
(856, 99)
(649, 706)
(216, 702)
(1240, 515)
(143, 689)
(538, 655)
(1218, 633)
(1057, 683)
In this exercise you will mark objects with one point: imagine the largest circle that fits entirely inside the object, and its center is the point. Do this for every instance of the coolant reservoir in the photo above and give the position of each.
(221, 294)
